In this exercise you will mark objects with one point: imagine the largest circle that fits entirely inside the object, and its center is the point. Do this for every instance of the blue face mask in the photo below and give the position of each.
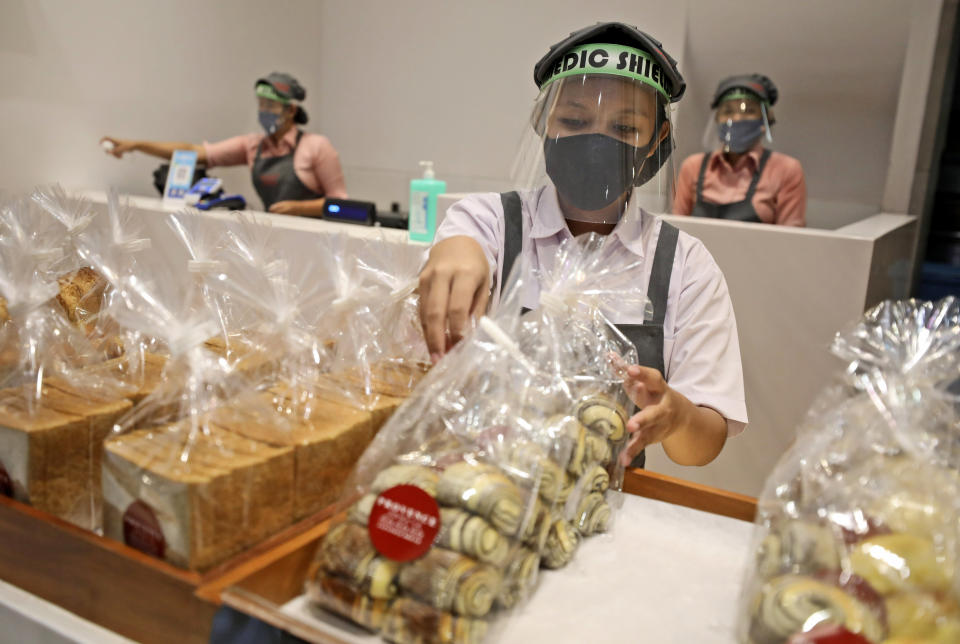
(269, 121)
(739, 136)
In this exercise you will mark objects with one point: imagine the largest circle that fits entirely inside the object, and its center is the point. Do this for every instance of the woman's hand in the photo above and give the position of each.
(691, 435)
(454, 287)
(285, 208)
(117, 147)
(660, 415)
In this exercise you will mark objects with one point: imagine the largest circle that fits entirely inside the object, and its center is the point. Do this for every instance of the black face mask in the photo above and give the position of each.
(592, 170)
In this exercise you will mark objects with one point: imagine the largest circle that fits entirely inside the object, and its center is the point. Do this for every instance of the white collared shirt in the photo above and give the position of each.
(701, 351)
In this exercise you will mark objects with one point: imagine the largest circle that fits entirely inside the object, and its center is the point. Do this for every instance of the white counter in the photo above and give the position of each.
(665, 574)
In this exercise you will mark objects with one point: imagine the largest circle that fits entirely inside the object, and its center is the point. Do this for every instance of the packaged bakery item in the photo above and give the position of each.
(53, 412)
(82, 288)
(498, 463)
(443, 521)
(313, 378)
(371, 323)
(178, 483)
(858, 525)
(588, 354)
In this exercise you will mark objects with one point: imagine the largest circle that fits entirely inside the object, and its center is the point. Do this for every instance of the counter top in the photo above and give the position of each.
(664, 574)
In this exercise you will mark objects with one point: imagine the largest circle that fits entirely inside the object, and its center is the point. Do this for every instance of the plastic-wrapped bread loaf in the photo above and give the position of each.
(46, 457)
(231, 492)
(101, 410)
(77, 420)
(326, 446)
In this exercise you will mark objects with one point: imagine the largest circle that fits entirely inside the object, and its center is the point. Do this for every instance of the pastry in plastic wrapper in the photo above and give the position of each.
(858, 524)
(495, 436)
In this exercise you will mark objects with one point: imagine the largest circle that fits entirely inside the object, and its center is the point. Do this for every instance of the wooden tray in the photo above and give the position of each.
(261, 585)
(111, 584)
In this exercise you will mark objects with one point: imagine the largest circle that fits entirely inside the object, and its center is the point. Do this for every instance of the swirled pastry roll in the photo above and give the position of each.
(484, 490)
(412, 622)
(785, 604)
(452, 582)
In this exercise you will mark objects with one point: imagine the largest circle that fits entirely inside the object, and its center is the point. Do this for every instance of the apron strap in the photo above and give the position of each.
(661, 271)
(756, 175)
(703, 171)
(295, 144)
(512, 232)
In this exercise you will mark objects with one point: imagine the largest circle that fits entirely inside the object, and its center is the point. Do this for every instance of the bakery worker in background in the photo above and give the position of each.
(293, 171)
(600, 128)
(739, 178)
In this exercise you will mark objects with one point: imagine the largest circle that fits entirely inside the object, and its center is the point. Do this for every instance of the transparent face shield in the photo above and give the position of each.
(603, 141)
(740, 121)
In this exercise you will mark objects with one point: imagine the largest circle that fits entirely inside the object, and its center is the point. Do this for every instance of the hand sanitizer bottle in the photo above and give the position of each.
(423, 204)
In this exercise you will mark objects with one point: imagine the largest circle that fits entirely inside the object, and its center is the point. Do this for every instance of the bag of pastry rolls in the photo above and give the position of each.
(857, 528)
(569, 332)
(53, 412)
(179, 483)
(451, 508)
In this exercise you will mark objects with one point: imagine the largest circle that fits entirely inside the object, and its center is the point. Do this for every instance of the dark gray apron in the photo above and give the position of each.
(647, 337)
(738, 210)
(275, 179)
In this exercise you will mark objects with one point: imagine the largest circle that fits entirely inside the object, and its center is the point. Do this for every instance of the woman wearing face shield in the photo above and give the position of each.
(599, 142)
(293, 171)
(740, 179)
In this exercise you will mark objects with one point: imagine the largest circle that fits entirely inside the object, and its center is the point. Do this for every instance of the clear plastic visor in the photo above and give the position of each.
(603, 142)
(738, 124)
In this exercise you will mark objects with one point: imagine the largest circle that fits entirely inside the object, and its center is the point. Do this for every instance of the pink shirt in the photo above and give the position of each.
(781, 196)
(315, 162)
(701, 351)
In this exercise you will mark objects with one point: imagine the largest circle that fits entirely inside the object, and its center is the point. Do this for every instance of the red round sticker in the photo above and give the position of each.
(404, 522)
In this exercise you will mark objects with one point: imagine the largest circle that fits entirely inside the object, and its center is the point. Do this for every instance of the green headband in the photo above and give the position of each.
(266, 91)
(736, 93)
(617, 60)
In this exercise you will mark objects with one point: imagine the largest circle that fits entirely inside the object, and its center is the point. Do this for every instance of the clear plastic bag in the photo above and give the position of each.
(494, 440)
(181, 481)
(55, 409)
(858, 524)
(588, 354)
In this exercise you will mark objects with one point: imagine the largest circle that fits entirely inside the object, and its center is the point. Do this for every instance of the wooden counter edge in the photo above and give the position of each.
(99, 580)
(689, 495)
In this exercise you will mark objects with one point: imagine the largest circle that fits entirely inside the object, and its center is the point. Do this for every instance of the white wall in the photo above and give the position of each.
(448, 81)
(175, 70)
(838, 67)
(392, 83)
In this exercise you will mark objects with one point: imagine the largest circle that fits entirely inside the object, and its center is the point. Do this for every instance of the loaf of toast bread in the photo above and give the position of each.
(45, 458)
(326, 445)
(195, 496)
